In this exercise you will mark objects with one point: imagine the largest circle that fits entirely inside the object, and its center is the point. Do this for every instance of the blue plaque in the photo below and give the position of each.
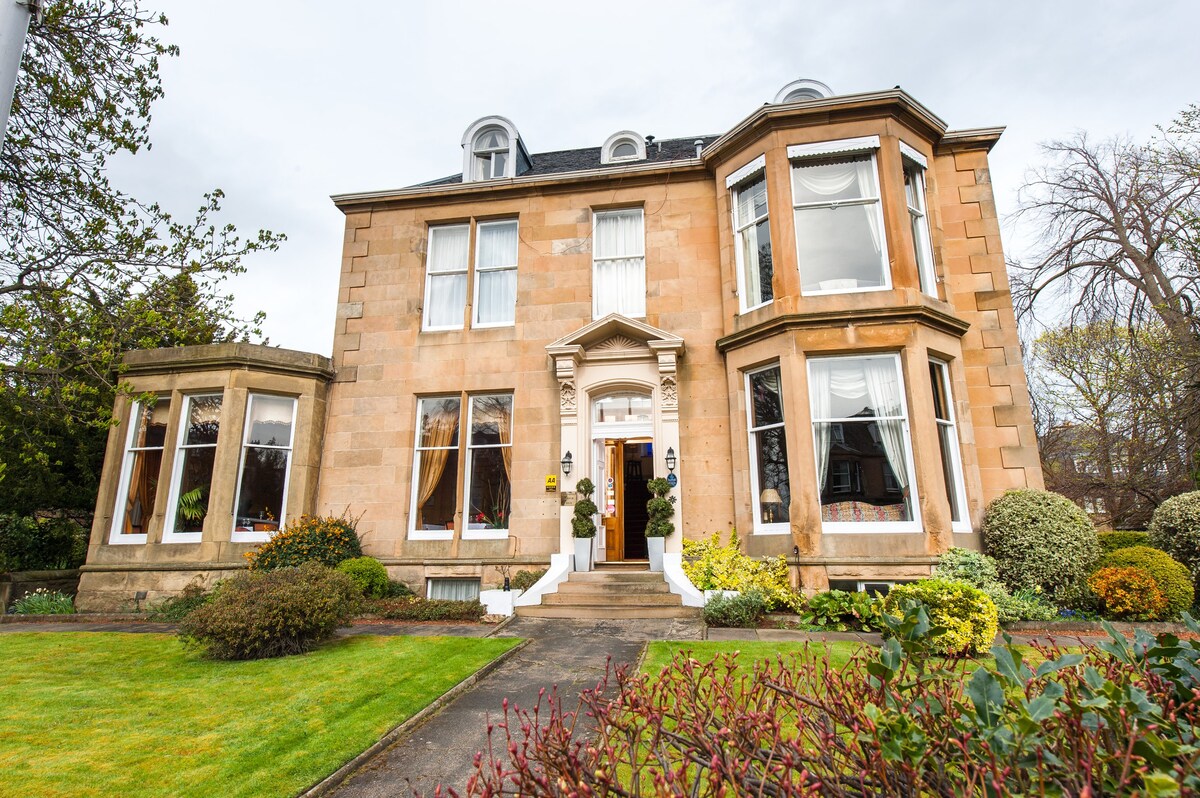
(672, 480)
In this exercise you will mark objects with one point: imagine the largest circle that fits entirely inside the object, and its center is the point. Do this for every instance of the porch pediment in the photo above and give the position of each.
(616, 337)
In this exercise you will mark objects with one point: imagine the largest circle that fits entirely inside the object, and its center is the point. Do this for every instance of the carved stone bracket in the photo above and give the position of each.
(566, 396)
(670, 392)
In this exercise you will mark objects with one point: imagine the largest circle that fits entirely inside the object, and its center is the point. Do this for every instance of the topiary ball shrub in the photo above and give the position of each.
(256, 615)
(1172, 578)
(1122, 539)
(1040, 540)
(1128, 593)
(325, 540)
(743, 611)
(979, 571)
(1175, 528)
(368, 574)
(966, 615)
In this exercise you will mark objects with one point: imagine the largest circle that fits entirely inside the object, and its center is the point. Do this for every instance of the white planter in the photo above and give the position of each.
(583, 554)
(656, 546)
(498, 602)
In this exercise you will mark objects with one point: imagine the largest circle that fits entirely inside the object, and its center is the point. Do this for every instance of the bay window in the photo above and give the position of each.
(619, 264)
(769, 484)
(914, 194)
(952, 472)
(261, 498)
(191, 483)
(138, 485)
(753, 245)
(865, 396)
(840, 239)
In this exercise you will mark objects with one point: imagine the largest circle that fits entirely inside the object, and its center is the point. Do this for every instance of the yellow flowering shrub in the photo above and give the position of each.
(712, 566)
(325, 540)
(966, 615)
(1128, 593)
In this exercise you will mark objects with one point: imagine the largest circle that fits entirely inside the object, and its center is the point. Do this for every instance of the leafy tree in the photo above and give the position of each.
(87, 271)
(1109, 407)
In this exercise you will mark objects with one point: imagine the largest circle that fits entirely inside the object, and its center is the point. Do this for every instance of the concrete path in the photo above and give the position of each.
(569, 654)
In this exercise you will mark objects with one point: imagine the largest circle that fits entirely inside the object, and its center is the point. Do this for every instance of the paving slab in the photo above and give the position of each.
(571, 655)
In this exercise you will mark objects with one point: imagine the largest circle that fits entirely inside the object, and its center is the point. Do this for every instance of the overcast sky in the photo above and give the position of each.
(283, 103)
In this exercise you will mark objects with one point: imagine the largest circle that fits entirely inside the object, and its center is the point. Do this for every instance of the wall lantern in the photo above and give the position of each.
(671, 461)
(566, 464)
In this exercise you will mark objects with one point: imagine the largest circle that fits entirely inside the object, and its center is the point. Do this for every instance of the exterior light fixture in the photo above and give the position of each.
(566, 464)
(671, 460)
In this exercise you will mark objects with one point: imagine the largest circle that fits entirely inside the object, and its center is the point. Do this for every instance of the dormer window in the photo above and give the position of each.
(491, 154)
(624, 145)
(803, 89)
(493, 149)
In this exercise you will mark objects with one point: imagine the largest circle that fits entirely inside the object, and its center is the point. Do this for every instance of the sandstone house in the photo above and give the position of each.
(805, 321)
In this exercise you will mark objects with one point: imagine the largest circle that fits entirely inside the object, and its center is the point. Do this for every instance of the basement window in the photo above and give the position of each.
(453, 589)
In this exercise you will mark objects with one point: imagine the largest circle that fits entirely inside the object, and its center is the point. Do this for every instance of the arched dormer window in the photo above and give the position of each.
(622, 146)
(492, 149)
(803, 89)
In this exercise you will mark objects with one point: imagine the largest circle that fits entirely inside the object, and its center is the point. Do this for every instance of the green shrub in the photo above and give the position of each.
(659, 509)
(43, 602)
(45, 544)
(176, 608)
(966, 616)
(421, 609)
(582, 524)
(1039, 540)
(1122, 539)
(262, 614)
(1172, 577)
(1128, 593)
(397, 589)
(368, 574)
(711, 566)
(978, 570)
(324, 540)
(527, 579)
(840, 610)
(743, 611)
(1175, 528)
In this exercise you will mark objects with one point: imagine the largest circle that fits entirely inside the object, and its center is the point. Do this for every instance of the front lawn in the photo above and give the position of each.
(659, 654)
(89, 714)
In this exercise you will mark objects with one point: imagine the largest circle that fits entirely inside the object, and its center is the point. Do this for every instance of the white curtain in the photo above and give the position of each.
(270, 420)
(822, 430)
(820, 182)
(884, 390)
(497, 275)
(448, 248)
(454, 589)
(619, 282)
(497, 245)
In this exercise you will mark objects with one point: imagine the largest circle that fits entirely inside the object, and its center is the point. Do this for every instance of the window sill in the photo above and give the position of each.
(836, 291)
(493, 326)
(459, 328)
(869, 527)
(431, 534)
(484, 534)
(185, 537)
(759, 306)
(784, 528)
(244, 536)
(126, 540)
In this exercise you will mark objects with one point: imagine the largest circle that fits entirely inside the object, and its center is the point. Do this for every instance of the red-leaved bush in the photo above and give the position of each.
(1112, 719)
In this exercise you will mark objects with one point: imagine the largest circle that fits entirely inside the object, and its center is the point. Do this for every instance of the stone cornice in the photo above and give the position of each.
(909, 314)
(970, 139)
(252, 357)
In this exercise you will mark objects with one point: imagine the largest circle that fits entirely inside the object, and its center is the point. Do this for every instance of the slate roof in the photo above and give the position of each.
(548, 163)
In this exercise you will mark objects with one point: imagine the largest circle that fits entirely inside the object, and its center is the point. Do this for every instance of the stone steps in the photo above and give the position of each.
(612, 593)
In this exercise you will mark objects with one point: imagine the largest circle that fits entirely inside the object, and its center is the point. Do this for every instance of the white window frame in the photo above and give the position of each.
(963, 524)
(485, 157)
(430, 275)
(596, 216)
(169, 533)
(115, 535)
(760, 527)
(865, 145)
(252, 536)
(489, 269)
(746, 176)
(415, 487)
(915, 166)
(430, 581)
(608, 151)
(871, 527)
(482, 534)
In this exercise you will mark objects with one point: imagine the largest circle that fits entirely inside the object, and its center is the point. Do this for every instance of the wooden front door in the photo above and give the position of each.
(612, 500)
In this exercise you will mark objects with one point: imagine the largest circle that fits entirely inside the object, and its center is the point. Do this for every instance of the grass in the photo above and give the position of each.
(89, 714)
(660, 654)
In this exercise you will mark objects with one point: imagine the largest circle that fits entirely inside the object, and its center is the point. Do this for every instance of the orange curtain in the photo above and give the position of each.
(439, 432)
(506, 439)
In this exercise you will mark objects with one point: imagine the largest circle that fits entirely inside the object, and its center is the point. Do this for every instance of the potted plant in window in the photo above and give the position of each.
(583, 527)
(659, 511)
